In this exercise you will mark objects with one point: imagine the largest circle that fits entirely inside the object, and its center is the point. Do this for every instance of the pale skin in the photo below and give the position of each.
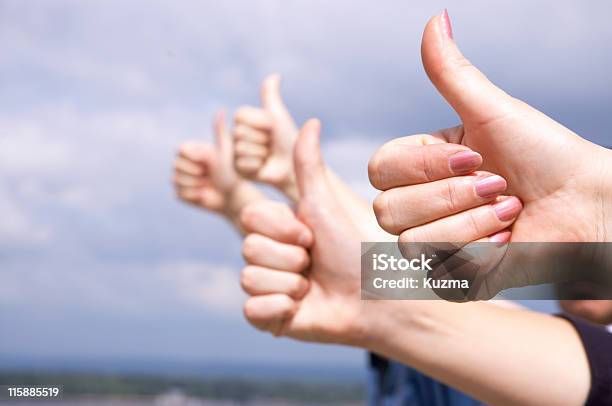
(439, 338)
(561, 179)
(204, 176)
(511, 139)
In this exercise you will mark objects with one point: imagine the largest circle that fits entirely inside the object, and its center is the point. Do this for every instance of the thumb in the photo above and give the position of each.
(222, 135)
(467, 90)
(271, 98)
(310, 170)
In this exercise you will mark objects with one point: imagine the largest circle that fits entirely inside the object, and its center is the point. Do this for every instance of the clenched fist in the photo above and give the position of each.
(323, 304)
(559, 183)
(264, 138)
(205, 175)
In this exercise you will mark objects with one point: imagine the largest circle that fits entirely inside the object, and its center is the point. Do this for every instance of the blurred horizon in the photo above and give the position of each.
(98, 260)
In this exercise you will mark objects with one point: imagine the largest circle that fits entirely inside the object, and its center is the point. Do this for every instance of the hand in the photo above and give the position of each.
(325, 304)
(264, 143)
(205, 175)
(264, 139)
(561, 179)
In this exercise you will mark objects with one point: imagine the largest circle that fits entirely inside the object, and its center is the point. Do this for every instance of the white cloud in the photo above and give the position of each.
(133, 290)
(96, 96)
(213, 287)
(16, 226)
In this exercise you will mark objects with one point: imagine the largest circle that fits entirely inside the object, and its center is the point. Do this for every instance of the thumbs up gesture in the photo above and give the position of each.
(204, 174)
(507, 172)
(264, 139)
(325, 304)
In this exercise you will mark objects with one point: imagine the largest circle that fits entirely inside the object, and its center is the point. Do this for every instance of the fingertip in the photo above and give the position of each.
(501, 238)
(314, 125)
(272, 82)
(307, 145)
(219, 118)
(305, 237)
(273, 79)
(270, 91)
(431, 45)
(507, 208)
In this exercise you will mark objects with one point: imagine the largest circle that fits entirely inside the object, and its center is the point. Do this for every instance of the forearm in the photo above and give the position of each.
(358, 208)
(497, 355)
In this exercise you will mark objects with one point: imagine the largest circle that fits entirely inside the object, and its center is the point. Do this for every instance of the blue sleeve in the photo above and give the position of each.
(393, 384)
(597, 343)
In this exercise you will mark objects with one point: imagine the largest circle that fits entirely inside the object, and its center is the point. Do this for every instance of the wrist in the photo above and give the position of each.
(390, 324)
(603, 196)
(376, 324)
(239, 196)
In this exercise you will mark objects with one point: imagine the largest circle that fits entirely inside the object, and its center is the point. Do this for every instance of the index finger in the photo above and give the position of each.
(276, 221)
(254, 117)
(402, 163)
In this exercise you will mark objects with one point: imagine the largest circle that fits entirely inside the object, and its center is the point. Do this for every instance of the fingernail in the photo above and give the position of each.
(508, 209)
(465, 162)
(490, 186)
(447, 29)
(501, 238)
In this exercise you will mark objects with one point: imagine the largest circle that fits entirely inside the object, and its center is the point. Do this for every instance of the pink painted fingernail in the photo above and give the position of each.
(508, 208)
(447, 29)
(501, 238)
(465, 162)
(490, 186)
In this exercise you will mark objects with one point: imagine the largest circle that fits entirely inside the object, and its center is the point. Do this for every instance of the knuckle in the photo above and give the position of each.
(247, 278)
(299, 287)
(451, 195)
(380, 205)
(303, 260)
(378, 167)
(382, 210)
(248, 216)
(290, 229)
(286, 304)
(249, 247)
(373, 170)
(473, 222)
(427, 166)
(248, 310)
(238, 131)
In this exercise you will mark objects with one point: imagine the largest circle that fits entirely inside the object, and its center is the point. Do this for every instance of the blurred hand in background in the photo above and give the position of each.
(205, 176)
(325, 305)
(264, 138)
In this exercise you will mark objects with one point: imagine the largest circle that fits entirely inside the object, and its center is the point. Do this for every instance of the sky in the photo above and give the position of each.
(97, 257)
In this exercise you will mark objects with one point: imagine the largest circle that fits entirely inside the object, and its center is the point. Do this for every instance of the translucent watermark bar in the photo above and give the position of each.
(486, 270)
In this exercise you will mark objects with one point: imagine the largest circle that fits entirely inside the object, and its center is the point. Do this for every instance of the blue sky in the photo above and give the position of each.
(97, 259)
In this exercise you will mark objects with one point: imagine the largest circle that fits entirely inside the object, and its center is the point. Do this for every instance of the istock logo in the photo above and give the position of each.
(384, 262)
